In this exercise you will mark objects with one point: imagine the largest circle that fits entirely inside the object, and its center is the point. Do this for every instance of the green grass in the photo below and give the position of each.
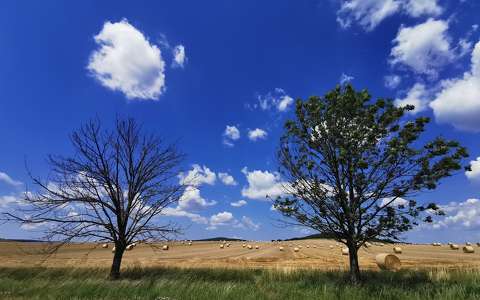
(162, 283)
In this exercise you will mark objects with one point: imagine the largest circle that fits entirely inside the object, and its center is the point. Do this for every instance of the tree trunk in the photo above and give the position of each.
(117, 262)
(354, 274)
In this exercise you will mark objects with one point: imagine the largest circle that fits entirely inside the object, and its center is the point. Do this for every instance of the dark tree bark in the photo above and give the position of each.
(112, 189)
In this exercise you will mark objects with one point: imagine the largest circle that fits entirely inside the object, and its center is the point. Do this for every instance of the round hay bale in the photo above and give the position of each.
(105, 246)
(331, 247)
(113, 249)
(296, 249)
(257, 247)
(244, 245)
(300, 247)
(189, 243)
(165, 247)
(280, 248)
(308, 246)
(228, 245)
(367, 245)
(468, 249)
(449, 243)
(129, 247)
(397, 250)
(221, 246)
(454, 247)
(437, 244)
(387, 261)
(250, 247)
(344, 251)
(468, 244)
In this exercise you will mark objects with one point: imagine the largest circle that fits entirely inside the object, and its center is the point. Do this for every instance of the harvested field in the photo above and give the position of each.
(210, 255)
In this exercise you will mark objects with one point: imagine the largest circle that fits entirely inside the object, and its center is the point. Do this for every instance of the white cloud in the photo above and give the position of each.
(417, 8)
(277, 100)
(127, 62)
(417, 96)
(250, 224)
(191, 200)
(176, 212)
(262, 184)
(227, 179)
(458, 101)
(8, 200)
(424, 48)
(197, 176)
(257, 134)
(230, 134)
(344, 78)
(463, 215)
(179, 57)
(392, 81)
(474, 174)
(4, 177)
(396, 202)
(239, 203)
(222, 219)
(369, 13)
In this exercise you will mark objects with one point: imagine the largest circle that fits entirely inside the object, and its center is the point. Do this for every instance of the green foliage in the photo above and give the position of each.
(352, 163)
(159, 283)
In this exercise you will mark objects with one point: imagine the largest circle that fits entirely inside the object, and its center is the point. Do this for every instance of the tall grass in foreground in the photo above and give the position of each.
(171, 283)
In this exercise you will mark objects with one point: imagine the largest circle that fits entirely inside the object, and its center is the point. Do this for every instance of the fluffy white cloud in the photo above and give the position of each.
(179, 57)
(417, 96)
(474, 174)
(239, 203)
(4, 177)
(197, 176)
(458, 101)
(176, 212)
(223, 218)
(262, 184)
(227, 179)
(369, 13)
(257, 134)
(396, 202)
(191, 200)
(463, 215)
(277, 100)
(423, 48)
(344, 78)
(8, 200)
(127, 62)
(392, 81)
(250, 224)
(230, 135)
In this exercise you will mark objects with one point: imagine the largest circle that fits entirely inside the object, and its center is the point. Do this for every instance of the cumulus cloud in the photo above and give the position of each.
(423, 48)
(227, 179)
(191, 200)
(127, 62)
(262, 184)
(369, 13)
(417, 96)
(177, 212)
(396, 202)
(226, 218)
(5, 178)
(179, 57)
(230, 135)
(392, 81)
(197, 176)
(474, 173)
(239, 203)
(460, 215)
(7, 200)
(277, 100)
(257, 134)
(458, 101)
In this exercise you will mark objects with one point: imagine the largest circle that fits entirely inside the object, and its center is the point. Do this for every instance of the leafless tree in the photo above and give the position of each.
(113, 189)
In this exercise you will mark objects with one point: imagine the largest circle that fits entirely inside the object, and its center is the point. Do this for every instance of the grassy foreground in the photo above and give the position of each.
(160, 283)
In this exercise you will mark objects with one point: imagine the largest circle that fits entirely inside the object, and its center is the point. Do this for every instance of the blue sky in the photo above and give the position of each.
(220, 77)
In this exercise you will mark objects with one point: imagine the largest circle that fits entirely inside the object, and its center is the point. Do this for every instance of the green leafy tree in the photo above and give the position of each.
(351, 162)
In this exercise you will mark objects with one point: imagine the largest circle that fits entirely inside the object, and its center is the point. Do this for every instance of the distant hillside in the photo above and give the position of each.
(219, 239)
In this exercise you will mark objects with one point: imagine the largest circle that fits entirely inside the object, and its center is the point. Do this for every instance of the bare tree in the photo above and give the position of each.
(114, 188)
(353, 166)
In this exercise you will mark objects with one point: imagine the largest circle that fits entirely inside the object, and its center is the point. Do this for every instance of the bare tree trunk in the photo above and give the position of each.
(354, 274)
(117, 262)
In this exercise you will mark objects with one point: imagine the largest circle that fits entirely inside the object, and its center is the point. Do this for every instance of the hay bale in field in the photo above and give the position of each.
(165, 247)
(244, 245)
(454, 247)
(345, 251)
(296, 249)
(468, 244)
(315, 246)
(189, 243)
(387, 261)
(308, 246)
(228, 245)
(438, 244)
(249, 247)
(468, 249)
(221, 246)
(105, 246)
(331, 247)
(113, 249)
(129, 247)
(257, 247)
(449, 243)
(280, 248)
(397, 250)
